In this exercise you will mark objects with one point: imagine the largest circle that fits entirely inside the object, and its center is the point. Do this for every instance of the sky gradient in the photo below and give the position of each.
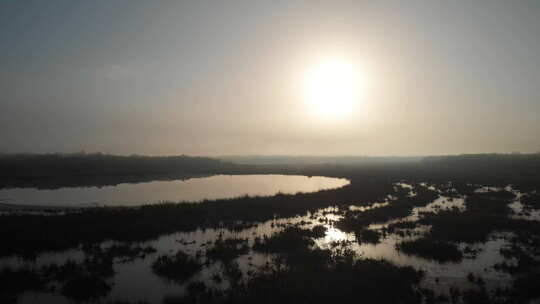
(224, 77)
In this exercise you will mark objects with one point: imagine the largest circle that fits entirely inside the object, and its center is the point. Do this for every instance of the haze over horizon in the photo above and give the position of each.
(378, 78)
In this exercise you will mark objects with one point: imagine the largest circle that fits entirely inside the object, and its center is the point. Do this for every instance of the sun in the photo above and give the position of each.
(333, 88)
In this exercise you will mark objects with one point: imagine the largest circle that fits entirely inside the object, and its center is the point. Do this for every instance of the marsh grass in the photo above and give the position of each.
(28, 235)
(368, 236)
(16, 281)
(85, 287)
(227, 250)
(531, 200)
(299, 272)
(291, 239)
(432, 249)
(400, 207)
(307, 274)
(177, 268)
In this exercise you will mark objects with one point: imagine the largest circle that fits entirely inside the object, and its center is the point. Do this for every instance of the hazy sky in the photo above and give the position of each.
(225, 77)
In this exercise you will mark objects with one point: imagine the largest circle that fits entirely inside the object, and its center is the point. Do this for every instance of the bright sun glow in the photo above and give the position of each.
(333, 88)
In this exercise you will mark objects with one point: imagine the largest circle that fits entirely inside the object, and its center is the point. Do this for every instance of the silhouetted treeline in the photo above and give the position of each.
(507, 168)
(317, 160)
(482, 161)
(81, 168)
(72, 170)
(521, 170)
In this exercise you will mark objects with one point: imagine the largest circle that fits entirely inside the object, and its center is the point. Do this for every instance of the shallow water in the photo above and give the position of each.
(189, 190)
(135, 281)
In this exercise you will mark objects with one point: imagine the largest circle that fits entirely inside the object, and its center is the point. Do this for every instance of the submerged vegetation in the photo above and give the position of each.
(178, 267)
(227, 250)
(16, 281)
(290, 240)
(432, 249)
(302, 273)
(28, 235)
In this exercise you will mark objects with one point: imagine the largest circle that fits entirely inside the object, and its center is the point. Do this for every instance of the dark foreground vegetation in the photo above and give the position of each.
(28, 235)
(80, 281)
(303, 274)
(299, 271)
(432, 249)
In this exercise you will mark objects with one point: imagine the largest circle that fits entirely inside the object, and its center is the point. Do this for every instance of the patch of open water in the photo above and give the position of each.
(135, 281)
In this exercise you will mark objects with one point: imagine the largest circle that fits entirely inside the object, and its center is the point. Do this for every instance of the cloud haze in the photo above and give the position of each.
(212, 78)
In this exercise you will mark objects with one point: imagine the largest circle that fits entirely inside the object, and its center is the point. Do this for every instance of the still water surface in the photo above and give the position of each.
(134, 280)
(189, 190)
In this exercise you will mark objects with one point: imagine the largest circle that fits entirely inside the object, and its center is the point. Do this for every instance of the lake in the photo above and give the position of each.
(188, 190)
